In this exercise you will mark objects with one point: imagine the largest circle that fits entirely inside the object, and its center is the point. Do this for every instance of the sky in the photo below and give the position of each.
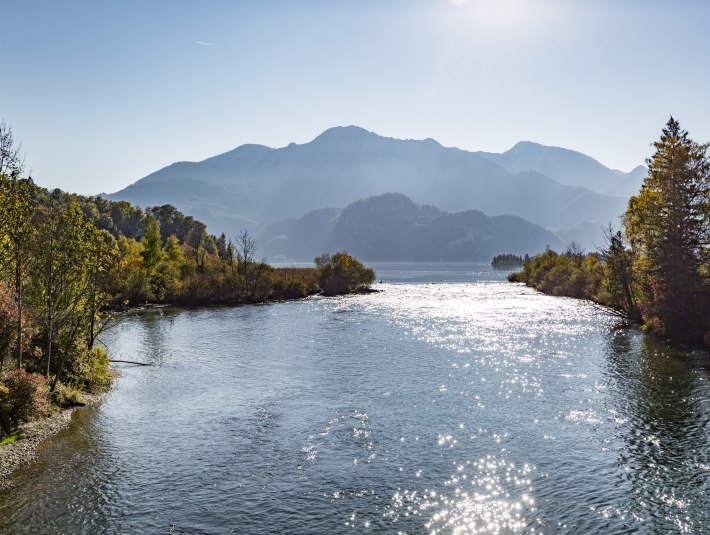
(100, 94)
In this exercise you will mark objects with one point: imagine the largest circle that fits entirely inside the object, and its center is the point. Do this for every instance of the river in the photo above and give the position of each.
(451, 402)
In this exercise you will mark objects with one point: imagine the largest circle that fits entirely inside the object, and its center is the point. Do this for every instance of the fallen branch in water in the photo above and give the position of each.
(132, 362)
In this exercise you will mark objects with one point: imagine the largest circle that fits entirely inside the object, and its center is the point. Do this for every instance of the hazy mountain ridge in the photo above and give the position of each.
(393, 227)
(568, 167)
(254, 185)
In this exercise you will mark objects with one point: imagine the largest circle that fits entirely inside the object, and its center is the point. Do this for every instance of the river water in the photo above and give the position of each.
(451, 402)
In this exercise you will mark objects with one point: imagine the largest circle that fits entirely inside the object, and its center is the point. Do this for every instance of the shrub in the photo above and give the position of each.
(516, 276)
(5, 424)
(88, 370)
(289, 289)
(570, 274)
(25, 396)
(97, 372)
(341, 274)
(67, 396)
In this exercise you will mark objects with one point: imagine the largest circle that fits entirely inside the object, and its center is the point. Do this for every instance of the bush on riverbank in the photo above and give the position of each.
(66, 397)
(341, 274)
(93, 372)
(294, 283)
(569, 274)
(23, 397)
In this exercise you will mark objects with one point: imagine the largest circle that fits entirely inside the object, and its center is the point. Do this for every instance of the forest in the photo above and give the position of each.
(67, 261)
(656, 270)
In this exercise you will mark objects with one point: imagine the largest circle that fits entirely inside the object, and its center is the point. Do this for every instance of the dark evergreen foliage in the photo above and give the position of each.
(507, 260)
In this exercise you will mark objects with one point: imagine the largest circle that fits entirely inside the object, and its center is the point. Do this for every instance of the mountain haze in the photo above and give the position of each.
(392, 227)
(254, 185)
(569, 167)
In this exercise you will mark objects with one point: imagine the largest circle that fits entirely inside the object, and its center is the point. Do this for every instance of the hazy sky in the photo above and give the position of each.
(102, 94)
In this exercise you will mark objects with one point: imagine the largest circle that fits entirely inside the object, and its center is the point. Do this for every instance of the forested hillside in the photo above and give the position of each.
(393, 227)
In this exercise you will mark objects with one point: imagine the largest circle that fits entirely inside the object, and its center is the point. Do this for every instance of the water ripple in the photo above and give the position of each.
(456, 407)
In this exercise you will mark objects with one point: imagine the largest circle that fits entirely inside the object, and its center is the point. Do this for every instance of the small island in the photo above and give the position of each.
(508, 261)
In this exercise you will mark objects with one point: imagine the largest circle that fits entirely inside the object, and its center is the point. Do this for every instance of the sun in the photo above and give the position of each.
(508, 16)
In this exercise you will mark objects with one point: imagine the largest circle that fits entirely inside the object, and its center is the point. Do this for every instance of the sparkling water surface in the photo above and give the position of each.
(451, 402)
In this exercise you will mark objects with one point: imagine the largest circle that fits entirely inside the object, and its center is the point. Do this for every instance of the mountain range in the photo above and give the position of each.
(392, 227)
(255, 186)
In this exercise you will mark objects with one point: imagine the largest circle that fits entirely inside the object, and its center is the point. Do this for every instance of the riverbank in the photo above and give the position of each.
(24, 450)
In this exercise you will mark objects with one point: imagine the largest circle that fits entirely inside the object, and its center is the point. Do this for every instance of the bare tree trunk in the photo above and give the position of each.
(50, 302)
(18, 294)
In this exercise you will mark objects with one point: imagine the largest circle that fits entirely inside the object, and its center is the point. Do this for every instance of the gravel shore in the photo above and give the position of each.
(23, 451)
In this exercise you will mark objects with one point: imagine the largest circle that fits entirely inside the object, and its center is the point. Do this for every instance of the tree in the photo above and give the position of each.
(12, 164)
(128, 220)
(246, 246)
(16, 229)
(102, 254)
(152, 246)
(230, 255)
(168, 217)
(173, 250)
(198, 239)
(221, 244)
(668, 224)
(619, 274)
(246, 249)
(8, 322)
(574, 251)
(62, 281)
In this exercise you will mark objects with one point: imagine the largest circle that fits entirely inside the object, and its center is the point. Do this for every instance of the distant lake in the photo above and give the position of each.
(451, 402)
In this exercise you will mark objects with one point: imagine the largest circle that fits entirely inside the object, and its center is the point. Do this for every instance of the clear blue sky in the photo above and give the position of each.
(101, 94)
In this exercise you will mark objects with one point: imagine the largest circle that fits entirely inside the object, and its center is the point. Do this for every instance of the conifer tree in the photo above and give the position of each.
(668, 224)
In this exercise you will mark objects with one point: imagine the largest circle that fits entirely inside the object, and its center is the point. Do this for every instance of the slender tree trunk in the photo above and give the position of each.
(50, 328)
(65, 354)
(92, 326)
(50, 303)
(18, 293)
(632, 311)
(92, 308)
